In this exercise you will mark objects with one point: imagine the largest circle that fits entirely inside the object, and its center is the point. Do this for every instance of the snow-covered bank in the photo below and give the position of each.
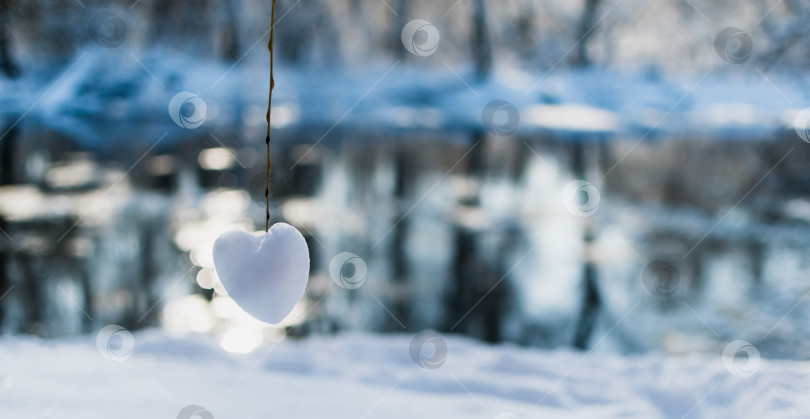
(100, 91)
(354, 376)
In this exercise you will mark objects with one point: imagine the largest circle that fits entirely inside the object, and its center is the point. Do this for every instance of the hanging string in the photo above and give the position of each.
(269, 106)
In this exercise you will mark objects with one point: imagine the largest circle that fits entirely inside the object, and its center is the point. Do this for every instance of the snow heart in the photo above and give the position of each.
(265, 274)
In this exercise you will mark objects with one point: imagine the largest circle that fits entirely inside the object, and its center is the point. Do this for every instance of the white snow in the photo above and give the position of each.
(265, 274)
(374, 376)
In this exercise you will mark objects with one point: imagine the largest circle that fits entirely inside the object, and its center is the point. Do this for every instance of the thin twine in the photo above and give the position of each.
(269, 106)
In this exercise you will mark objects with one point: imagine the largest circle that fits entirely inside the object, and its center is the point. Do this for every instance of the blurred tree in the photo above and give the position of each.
(8, 149)
(309, 34)
(481, 45)
(587, 27)
(525, 29)
(584, 161)
(186, 24)
(358, 12)
(161, 18)
(327, 29)
(401, 12)
(591, 300)
(291, 38)
(7, 64)
(784, 36)
(230, 36)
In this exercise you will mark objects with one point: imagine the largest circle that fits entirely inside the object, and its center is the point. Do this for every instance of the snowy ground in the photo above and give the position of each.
(372, 376)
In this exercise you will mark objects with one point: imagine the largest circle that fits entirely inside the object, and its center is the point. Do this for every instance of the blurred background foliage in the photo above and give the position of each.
(658, 37)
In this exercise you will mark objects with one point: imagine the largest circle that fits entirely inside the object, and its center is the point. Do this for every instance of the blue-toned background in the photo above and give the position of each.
(626, 174)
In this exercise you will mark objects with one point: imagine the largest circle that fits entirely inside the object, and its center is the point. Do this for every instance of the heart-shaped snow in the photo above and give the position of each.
(265, 274)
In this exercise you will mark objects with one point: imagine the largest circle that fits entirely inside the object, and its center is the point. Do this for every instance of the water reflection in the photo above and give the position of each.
(457, 232)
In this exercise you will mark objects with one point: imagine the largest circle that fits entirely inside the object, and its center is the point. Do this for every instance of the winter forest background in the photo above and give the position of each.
(618, 177)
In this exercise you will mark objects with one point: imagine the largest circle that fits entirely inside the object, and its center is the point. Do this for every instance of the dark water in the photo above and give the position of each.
(690, 243)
